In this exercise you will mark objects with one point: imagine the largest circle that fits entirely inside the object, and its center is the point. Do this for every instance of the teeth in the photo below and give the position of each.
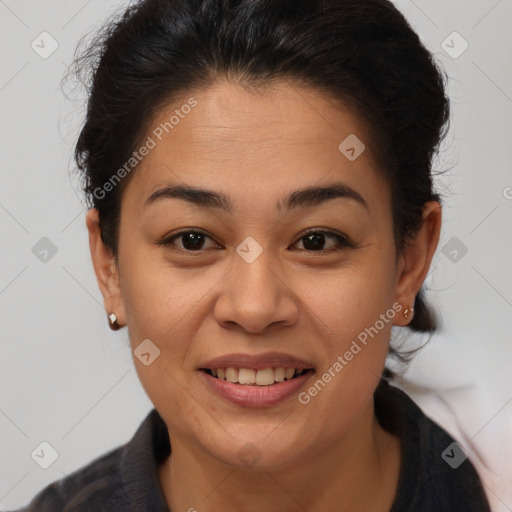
(279, 374)
(265, 377)
(245, 376)
(290, 372)
(248, 376)
(231, 375)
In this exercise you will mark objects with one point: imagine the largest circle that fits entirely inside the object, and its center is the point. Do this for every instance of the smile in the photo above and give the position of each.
(255, 388)
(252, 377)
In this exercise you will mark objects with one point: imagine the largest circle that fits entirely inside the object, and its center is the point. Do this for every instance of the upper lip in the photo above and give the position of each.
(257, 361)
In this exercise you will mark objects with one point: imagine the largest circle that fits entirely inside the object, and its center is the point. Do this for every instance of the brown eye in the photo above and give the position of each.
(316, 241)
(191, 241)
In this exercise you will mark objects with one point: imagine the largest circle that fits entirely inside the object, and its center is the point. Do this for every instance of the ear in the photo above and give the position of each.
(105, 268)
(414, 263)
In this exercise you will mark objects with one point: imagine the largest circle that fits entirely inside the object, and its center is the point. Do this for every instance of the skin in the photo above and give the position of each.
(330, 454)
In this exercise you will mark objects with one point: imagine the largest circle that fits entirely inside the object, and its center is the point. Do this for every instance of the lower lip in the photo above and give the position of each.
(256, 396)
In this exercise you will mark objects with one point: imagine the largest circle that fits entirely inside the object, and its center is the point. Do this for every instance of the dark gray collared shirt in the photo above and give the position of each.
(126, 479)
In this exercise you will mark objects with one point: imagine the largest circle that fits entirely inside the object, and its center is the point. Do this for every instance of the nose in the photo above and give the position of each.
(256, 296)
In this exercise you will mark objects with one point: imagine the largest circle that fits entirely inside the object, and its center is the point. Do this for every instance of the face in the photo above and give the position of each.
(317, 280)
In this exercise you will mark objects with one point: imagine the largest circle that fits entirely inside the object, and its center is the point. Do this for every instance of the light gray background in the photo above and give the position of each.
(68, 380)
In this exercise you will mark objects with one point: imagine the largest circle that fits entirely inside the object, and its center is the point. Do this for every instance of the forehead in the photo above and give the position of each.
(242, 141)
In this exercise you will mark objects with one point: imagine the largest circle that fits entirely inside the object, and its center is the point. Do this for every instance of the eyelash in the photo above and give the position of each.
(343, 241)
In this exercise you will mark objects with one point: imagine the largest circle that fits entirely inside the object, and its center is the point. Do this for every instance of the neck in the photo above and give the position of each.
(357, 472)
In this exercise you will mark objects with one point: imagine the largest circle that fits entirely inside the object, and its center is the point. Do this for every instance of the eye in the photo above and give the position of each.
(314, 241)
(191, 241)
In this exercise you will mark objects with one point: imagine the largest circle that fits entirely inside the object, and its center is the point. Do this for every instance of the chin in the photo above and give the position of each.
(261, 457)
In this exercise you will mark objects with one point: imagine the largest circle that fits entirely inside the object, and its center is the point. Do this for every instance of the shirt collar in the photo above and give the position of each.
(140, 460)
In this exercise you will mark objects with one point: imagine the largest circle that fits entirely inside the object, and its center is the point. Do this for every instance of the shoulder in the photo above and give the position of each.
(98, 484)
(435, 471)
(124, 479)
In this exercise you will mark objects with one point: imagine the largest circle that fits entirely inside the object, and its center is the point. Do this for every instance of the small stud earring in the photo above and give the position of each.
(113, 322)
(407, 311)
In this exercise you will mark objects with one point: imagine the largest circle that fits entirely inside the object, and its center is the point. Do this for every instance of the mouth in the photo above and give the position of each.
(256, 377)
(263, 379)
(251, 387)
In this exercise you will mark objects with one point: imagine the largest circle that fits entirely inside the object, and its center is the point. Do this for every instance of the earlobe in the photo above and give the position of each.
(105, 269)
(415, 261)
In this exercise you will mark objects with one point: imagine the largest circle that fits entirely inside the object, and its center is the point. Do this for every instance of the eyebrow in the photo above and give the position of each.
(304, 197)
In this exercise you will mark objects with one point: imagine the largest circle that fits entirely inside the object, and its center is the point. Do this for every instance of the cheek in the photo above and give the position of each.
(157, 297)
(355, 345)
(349, 299)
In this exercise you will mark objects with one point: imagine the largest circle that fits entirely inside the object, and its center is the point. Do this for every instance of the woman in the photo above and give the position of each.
(262, 214)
